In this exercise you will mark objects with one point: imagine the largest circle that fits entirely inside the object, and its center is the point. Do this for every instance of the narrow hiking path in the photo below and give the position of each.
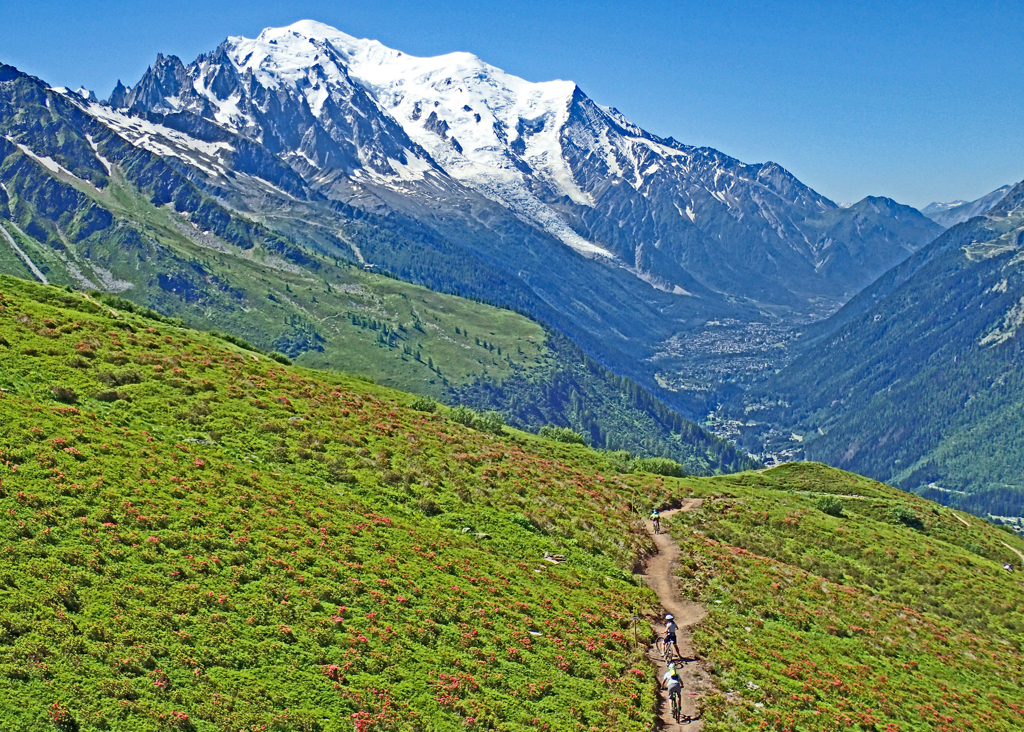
(1018, 552)
(660, 576)
(1015, 551)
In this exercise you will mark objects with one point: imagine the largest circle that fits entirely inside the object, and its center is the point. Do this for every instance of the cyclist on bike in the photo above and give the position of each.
(670, 635)
(656, 520)
(673, 683)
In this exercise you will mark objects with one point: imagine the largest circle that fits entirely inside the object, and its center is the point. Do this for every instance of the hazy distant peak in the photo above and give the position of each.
(952, 213)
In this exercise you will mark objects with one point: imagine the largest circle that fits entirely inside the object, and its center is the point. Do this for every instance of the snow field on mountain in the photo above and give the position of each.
(161, 140)
(354, 116)
(468, 115)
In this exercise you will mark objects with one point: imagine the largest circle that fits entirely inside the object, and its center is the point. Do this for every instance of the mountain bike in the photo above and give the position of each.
(670, 657)
(675, 696)
(657, 524)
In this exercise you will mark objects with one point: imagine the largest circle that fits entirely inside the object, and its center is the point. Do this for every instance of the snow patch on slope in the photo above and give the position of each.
(24, 257)
(47, 162)
(162, 140)
(95, 148)
(414, 168)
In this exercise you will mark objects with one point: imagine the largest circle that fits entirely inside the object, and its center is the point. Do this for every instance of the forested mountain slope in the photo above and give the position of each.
(200, 538)
(917, 380)
(81, 206)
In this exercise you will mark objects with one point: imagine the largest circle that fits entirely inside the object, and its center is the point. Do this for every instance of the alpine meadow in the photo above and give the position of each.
(347, 389)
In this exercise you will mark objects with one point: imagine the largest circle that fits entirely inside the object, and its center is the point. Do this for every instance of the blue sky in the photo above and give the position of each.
(913, 100)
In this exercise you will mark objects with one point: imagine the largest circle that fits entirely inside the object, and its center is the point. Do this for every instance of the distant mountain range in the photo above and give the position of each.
(529, 195)
(956, 212)
(218, 190)
(82, 207)
(247, 192)
(917, 380)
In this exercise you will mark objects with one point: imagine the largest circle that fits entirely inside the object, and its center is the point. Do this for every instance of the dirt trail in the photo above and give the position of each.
(660, 576)
(1015, 551)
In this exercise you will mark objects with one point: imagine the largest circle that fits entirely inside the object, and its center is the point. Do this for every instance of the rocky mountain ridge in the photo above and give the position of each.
(352, 116)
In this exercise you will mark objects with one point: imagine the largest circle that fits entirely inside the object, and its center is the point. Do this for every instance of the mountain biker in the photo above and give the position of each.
(656, 520)
(670, 635)
(673, 683)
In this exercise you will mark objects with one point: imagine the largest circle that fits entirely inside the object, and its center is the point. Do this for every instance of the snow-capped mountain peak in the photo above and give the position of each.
(955, 212)
(307, 57)
(352, 116)
(485, 127)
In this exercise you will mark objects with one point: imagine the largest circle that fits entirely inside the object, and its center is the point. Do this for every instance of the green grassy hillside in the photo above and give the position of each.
(199, 538)
(894, 615)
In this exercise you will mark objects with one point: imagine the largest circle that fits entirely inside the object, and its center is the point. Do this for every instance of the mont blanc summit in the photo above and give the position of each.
(355, 118)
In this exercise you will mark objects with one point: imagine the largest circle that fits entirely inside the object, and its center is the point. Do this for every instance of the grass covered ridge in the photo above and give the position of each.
(894, 616)
(196, 537)
(199, 538)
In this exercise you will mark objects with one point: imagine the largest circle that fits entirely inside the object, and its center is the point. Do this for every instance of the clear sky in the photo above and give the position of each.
(919, 101)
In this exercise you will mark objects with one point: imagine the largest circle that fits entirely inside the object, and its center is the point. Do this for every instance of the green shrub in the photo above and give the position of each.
(659, 466)
(562, 434)
(236, 341)
(487, 422)
(429, 507)
(905, 516)
(491, 422)
(337, 471)
(119, 303)
(120, 378)
(462, 415)
(523, 522)
(65, 394)
(830, 505)
(974, 548)
(281, 358)
(424, 404)
(620, 461)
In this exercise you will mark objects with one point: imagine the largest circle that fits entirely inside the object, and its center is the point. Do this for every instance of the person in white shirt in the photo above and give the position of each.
(673, 683)
(670, 635)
